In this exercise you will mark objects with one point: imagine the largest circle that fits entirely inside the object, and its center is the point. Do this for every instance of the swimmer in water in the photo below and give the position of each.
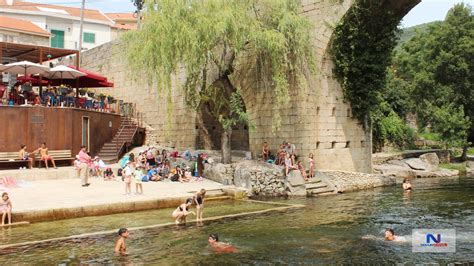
(220, 247)
(406, 185)
(120, 248)
(390, 235)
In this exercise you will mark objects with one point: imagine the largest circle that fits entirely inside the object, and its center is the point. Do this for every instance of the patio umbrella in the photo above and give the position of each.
(64, 72)
(24, 67)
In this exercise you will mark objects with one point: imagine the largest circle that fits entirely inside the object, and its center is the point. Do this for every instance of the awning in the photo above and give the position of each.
(35, 81)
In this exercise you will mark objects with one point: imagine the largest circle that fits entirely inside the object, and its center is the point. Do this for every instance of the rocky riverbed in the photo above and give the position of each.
(426, 165)
(263, 179)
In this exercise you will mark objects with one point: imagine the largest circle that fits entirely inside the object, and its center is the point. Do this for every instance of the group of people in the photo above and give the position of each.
(287, 156)
(22, 94)
(180, 214)
(29, 157)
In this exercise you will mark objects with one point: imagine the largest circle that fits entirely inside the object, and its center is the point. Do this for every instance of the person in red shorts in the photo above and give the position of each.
(43, 151)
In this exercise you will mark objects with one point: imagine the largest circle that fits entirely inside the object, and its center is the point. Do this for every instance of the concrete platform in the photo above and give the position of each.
(35, 174)
(54, 199)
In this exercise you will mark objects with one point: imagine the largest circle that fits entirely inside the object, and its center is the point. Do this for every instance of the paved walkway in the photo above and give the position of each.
(68, 193)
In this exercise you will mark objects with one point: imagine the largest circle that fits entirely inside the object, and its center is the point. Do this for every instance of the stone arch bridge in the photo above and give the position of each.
(317, 119)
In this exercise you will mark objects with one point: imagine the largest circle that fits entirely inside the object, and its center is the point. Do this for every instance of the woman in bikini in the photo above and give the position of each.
(182, 211)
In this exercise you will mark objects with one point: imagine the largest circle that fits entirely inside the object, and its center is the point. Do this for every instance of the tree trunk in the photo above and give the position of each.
(464, 153)
(204, 133)
(225, 145)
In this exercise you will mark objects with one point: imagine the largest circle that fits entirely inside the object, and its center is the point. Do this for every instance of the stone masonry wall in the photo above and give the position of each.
(316, 120)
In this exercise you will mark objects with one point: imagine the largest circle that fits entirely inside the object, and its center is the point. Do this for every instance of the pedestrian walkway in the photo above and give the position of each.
(66, 198)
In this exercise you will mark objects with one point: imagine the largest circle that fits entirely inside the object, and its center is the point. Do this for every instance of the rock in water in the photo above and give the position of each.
(417, 164)
(430, 159)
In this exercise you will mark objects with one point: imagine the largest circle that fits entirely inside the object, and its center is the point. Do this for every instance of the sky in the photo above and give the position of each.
(426, 11)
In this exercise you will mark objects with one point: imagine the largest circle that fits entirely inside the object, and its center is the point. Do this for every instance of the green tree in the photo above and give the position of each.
(438, 64)
(207, 37)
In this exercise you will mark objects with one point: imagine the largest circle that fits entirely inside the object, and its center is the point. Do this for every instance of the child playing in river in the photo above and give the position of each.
(120, 248)
(199, 201)
(6, 207)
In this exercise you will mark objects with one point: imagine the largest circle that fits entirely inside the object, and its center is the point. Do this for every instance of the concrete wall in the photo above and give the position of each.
(316, 120)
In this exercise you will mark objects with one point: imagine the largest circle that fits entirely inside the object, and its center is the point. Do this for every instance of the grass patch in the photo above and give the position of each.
(429, 136)
(470, 151)
(461, 167)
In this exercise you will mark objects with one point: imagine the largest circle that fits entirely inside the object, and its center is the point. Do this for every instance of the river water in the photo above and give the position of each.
(346, 228)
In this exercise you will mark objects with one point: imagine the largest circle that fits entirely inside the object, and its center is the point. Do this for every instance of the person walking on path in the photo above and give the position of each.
(85, 161)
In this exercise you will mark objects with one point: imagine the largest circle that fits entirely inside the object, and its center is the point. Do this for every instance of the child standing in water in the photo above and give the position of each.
(127, 178)
(6, 206)
(138, 179)
(199, 200)
(311, 165)
(120, 248)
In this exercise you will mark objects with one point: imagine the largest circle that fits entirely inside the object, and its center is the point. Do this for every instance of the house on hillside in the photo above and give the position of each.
(62, 23)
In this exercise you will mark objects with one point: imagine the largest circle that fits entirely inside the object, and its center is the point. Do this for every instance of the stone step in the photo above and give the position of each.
(313, 180)
(316, 185)
(321, 190)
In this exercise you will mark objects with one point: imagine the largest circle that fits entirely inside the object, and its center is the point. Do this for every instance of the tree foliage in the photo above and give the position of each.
(362, 49)
(436, 67)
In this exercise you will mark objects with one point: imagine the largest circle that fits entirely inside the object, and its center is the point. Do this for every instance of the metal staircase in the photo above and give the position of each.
(113, 150)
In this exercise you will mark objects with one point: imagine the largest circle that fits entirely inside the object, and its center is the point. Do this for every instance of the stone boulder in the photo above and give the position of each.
(431, 159)
(218, 173)
(401, 170)
(416, 164)
(470, 167)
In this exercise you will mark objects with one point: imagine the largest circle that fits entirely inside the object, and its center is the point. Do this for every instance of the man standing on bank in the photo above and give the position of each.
(84, 166)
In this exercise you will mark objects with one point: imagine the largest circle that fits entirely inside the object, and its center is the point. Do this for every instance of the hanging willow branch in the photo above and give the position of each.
(204, 37)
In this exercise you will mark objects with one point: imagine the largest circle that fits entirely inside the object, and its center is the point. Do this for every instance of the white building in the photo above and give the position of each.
(62, 22)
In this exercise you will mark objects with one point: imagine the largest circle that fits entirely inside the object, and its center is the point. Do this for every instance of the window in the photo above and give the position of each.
(348, 144)
(57, 38)
(333, 111)
(333, 145)
(317, 144)
(89, 37)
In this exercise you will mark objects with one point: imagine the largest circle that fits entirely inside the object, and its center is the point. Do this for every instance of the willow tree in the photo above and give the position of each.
(205, 38)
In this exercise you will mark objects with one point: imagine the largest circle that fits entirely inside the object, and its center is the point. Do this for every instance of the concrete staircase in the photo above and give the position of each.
(112, 150)
(318, 186)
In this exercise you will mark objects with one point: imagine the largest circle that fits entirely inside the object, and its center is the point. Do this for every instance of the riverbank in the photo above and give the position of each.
(45, 200)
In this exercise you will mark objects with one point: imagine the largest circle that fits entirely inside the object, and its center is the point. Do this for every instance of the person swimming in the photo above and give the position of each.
(120, 248)
(220, 247)
(406, 185)
(390, 235)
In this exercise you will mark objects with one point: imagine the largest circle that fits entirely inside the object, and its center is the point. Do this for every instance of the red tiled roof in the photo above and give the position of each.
(21, 25)
(121, 16)
(72, 11)
(125, 26)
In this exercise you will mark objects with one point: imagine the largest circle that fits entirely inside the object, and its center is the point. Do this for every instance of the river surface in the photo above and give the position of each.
(341, 229)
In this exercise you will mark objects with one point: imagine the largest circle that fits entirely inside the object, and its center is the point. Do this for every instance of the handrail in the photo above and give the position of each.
(122, 144)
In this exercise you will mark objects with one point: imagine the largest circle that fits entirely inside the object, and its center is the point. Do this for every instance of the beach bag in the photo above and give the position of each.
(124, 161)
